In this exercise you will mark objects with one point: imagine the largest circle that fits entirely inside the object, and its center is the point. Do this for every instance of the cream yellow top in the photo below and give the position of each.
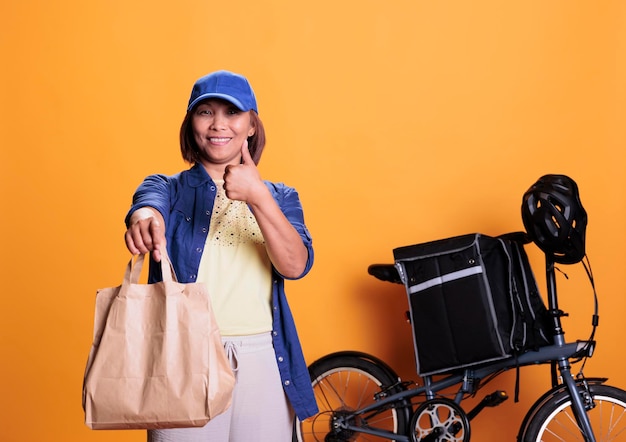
(236, 269)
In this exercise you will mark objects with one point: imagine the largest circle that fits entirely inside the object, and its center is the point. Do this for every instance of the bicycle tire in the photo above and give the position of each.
(344, 382)
(555, 421)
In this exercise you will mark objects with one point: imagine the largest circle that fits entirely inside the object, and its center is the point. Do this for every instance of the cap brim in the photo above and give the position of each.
(226, 97)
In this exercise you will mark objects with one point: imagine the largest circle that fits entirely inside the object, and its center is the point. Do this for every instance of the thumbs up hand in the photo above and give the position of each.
(243, 182)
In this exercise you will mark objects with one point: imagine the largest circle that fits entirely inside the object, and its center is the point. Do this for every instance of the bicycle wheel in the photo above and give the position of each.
(555, 420)
(344, 383)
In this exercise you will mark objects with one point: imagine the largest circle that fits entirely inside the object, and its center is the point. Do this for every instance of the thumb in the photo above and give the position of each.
(246, 158)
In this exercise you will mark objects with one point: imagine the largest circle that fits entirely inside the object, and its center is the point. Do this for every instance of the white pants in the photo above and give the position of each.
(259, 411)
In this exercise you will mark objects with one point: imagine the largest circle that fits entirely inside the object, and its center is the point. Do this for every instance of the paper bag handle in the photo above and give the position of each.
(133, 269)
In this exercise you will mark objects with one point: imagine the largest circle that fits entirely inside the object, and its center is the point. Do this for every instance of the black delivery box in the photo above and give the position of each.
(460, 300)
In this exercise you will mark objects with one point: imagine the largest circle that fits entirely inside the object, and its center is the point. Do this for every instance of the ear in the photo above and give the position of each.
(252, 129)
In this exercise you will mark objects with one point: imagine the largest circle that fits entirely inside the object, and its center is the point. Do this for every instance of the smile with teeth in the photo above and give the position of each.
(215, 140)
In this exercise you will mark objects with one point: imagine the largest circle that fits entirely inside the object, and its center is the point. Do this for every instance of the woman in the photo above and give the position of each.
(242, 236)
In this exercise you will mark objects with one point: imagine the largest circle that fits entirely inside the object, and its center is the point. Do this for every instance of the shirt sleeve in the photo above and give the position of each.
(289, 203)
(153, 192)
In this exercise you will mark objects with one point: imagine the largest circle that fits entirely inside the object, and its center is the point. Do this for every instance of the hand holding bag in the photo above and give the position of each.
(157, 359)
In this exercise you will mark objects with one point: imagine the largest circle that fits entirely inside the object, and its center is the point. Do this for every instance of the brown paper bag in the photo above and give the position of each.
(157, 359)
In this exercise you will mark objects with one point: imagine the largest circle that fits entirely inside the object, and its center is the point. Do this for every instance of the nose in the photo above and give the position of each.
(218, 122)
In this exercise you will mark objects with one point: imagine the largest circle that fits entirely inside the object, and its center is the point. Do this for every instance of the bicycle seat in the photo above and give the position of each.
(385, 272)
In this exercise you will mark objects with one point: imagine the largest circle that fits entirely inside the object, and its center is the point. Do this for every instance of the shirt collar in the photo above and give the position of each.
(198, 176)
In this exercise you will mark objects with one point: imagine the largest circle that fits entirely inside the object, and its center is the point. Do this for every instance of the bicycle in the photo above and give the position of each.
(360, 397)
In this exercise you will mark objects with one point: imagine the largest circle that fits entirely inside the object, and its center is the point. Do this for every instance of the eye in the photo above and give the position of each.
(233, 110)
(204, 110)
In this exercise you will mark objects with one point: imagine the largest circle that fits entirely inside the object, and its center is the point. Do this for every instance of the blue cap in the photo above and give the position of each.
(226, 85)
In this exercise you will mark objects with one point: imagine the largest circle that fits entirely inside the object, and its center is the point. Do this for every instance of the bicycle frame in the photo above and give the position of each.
(560, 353)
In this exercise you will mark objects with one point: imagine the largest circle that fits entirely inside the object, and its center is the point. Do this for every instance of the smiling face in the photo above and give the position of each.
(219, 130)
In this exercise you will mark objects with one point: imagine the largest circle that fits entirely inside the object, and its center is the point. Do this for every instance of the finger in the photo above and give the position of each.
(158, 238)
(141, 235)
(156, 231)
(139, 242)
(227, 169)
(130, 243)
(226, 176)
(246, 158)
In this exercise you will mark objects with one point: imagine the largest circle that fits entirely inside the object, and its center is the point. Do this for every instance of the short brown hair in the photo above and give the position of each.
(189, 149)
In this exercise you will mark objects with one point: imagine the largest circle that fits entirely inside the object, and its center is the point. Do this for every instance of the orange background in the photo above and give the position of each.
(398, 122)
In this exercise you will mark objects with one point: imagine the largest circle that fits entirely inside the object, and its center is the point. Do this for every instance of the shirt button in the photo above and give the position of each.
(275, 333)
(199, 250)
(188, 218)
(287, 383)
(192, 277)
(213, 188)
(204, 230)
(280, 359)
(207, 213)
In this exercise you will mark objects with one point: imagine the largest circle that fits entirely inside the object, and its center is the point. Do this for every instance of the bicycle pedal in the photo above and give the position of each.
(491, 400)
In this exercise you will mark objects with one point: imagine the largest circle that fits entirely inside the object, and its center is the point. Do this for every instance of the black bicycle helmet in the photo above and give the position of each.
(555, 219)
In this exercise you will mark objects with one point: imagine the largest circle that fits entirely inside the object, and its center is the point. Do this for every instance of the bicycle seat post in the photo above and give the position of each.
(553, 303)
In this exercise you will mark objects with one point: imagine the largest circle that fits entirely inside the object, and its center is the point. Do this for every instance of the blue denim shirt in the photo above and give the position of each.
(186, 202)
